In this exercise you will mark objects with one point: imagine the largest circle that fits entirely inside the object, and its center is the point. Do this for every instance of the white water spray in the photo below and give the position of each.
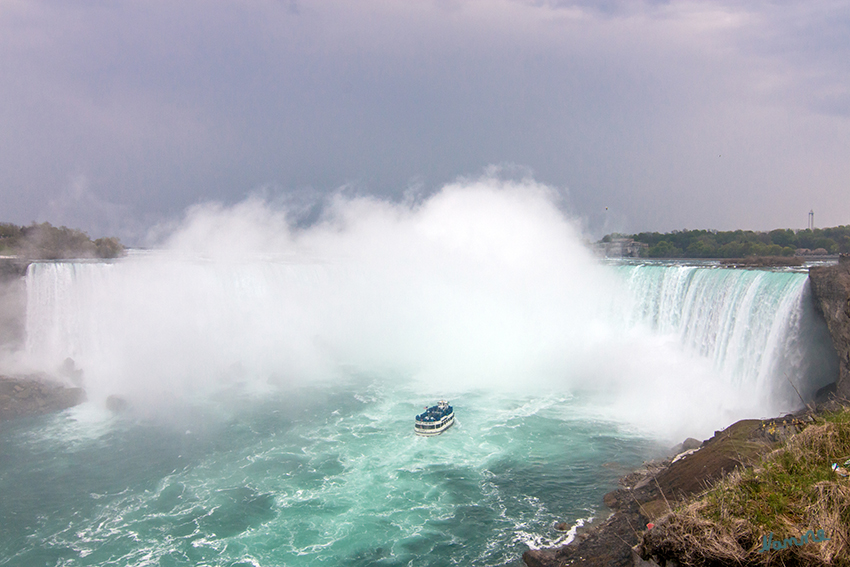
(485, 285)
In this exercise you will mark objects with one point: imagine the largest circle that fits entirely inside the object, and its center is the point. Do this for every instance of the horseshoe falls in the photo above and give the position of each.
(268, 394)
(757, 328)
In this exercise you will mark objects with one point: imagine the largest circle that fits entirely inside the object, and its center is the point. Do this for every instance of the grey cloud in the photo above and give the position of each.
(164, 105)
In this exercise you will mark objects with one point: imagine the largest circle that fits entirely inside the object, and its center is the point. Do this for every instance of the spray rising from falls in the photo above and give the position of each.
(484, 286)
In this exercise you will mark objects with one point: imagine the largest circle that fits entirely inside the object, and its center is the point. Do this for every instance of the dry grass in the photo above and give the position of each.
(792, 490)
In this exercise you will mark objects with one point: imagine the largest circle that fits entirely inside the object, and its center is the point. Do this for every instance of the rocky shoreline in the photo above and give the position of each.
(651, 492)
(35, 395)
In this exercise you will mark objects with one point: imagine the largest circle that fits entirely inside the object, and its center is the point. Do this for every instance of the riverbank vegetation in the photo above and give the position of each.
(740, 243)
(47, 242)
(789, 508)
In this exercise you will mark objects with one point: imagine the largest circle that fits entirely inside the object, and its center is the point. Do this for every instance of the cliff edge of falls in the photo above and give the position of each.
(831, 292)
(35, 394)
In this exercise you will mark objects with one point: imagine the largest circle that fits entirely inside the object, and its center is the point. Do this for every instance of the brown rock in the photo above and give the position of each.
(33, 396)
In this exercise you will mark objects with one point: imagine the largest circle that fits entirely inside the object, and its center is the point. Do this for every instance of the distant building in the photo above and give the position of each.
(620, 248)
(807, 252)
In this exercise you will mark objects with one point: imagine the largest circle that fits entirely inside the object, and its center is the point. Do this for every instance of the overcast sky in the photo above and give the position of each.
(115, 116)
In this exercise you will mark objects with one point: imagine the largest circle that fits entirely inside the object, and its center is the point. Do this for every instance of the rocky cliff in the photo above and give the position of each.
(831, 292)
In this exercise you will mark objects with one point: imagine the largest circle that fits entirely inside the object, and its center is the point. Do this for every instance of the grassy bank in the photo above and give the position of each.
(792, 492)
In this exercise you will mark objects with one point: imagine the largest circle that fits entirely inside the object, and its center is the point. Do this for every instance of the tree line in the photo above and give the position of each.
(740, 243)
(47, 242)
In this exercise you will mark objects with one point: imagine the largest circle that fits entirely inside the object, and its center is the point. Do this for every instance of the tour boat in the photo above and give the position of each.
(435, 420)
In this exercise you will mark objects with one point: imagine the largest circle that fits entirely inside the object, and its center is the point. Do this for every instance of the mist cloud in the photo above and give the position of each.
(484, 286)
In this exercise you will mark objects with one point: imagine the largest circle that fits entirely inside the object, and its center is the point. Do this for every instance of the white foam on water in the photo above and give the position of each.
(339, 478)
(537, 540)
(71, 428)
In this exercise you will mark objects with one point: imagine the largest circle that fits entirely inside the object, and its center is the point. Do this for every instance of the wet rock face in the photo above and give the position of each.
(831, 291)
(13, 302)
(22, 397)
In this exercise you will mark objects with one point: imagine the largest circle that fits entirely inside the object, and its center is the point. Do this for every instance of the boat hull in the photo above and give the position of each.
(429, 429)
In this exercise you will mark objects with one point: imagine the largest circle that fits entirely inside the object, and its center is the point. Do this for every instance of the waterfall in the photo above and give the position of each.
(758, 327)
(174, 319)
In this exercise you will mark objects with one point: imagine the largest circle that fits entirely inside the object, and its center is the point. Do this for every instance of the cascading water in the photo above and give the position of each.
(758, 327)
(272, 391)
(188, 322)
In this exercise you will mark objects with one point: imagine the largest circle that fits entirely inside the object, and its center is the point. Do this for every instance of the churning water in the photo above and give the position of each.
(271, 389)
